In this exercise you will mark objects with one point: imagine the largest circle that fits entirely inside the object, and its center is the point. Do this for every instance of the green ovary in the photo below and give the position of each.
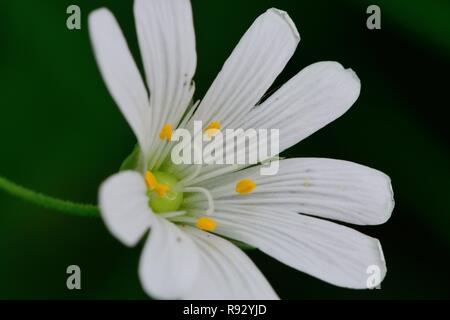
(171, 200)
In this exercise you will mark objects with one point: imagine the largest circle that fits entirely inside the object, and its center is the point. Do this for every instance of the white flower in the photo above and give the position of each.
(185, 255)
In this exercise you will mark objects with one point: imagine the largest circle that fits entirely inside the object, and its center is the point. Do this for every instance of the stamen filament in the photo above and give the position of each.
(214, 173)
(207, 194)
(192, 176)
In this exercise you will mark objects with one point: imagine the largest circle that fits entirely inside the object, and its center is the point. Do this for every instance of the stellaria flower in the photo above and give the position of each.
(192, 211)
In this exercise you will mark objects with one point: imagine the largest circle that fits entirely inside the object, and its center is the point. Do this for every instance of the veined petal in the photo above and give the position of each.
(257, 60)
(248, 73)
(226, 272)
(316, 96)
(124, 206)
(120, 73)
(167, 42)
(331, 252)
(170, 261)
(328, 188)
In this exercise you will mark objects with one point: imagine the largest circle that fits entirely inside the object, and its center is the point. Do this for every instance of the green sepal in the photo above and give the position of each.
(132, 162)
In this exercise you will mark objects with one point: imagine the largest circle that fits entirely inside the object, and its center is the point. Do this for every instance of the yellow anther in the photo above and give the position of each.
(206, 224)
(212, 129)
(162, 189)
(150, 180)
(166, 132)
(245, 186)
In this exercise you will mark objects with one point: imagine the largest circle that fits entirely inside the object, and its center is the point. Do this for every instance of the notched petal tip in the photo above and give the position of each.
(383, 267)
(351, 78)
(353, 74)
(356, 79)
(385, 198)
(390, 202)
(285, 16)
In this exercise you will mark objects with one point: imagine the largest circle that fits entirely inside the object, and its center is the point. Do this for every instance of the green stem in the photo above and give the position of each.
(23, 193)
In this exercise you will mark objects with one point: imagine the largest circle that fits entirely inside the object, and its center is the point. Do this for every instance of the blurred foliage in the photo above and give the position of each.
(427, 20)
(61, 134)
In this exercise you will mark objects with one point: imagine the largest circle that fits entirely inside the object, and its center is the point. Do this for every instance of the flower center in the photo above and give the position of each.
(163, 194)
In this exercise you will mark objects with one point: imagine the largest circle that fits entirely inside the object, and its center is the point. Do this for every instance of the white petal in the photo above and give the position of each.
(226, 273)
(167, 42)
(257, 60)
(124, 206)
(119, 72)
(248, 73)
(328, 251)
(333, 189)
(170, 261)
(316, 96)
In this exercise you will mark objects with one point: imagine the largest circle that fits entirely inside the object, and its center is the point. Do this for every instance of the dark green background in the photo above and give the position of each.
(61, 133)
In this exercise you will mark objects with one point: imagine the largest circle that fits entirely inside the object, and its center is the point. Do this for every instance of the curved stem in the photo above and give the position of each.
(23, 193)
